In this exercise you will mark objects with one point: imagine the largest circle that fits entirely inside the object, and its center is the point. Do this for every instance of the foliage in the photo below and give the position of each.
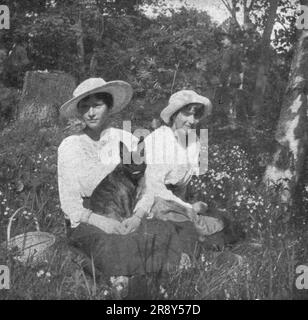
(28, 172)
(150, 53)
(8, 104)
(157, 56)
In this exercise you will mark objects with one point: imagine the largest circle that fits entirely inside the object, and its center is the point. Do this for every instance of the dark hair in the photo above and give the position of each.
(105, 96)
(197, 109)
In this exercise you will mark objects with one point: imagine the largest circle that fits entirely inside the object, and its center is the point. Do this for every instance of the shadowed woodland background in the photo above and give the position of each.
(257, 168)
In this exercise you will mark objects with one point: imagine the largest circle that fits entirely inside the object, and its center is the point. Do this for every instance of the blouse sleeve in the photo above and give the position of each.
(153, 185)
(68, 182)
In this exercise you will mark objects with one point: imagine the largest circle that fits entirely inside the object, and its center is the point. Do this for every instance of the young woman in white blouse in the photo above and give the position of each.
(84, 159)
(173, 156)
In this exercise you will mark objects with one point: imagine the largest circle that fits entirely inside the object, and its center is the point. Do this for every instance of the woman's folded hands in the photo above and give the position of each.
(132, 223)
(112, 226)
(106, 224)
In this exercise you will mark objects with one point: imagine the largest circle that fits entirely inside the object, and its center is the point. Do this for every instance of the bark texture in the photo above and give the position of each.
(100, 26)
(291, 135)
(263, 67)
(80, 45)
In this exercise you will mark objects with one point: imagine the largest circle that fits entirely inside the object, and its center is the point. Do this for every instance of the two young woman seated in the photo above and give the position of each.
(162, 226)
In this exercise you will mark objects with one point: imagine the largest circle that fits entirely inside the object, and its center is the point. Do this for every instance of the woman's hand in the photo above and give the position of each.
(107, 225)
(200, 207)
(130, 224)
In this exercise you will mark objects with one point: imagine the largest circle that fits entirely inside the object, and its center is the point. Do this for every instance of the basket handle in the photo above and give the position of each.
(9, 226)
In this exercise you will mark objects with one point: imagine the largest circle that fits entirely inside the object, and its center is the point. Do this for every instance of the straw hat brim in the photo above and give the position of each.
(172, 108)
(121, 92)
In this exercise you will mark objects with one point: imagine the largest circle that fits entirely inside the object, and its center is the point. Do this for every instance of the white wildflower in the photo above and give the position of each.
(40, 273)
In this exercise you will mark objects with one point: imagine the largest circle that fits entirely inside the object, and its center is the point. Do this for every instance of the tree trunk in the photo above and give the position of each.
(264, 60)
(43, 93)
(287, 164)
(93, 63)
(100, 26)
(3, 58)
(80, 45)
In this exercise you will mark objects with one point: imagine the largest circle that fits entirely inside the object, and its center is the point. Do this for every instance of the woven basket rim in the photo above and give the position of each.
(30, 235)
(33, 233)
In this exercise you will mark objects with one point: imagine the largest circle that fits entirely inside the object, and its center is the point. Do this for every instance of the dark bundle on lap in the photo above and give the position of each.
(231, 234)
(115, 195)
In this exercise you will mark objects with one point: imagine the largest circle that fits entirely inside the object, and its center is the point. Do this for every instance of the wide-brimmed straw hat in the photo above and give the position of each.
(180, 99)
(121, 92)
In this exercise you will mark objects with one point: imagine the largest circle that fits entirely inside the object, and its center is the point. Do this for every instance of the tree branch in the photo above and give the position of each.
(227, 5)
(231, 10)
(251, 4)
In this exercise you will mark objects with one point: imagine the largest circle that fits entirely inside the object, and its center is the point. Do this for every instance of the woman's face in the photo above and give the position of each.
(94, 112)
(186, 120)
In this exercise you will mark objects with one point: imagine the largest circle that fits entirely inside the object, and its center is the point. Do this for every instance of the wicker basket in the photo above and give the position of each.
(31, 247)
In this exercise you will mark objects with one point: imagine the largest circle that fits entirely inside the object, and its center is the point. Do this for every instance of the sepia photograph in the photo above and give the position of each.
(153, 150)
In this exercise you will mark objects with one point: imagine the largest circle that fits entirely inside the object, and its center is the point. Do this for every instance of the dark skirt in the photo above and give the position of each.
(155, 247)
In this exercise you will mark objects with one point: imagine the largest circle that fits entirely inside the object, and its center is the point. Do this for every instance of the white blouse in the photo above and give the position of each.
(168, 162)
(83, 163)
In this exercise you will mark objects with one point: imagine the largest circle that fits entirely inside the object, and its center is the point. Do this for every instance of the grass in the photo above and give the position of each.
(260, 267)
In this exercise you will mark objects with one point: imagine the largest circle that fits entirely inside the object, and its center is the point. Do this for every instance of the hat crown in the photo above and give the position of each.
(183, 94)
(88, 85)
(184, 97)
